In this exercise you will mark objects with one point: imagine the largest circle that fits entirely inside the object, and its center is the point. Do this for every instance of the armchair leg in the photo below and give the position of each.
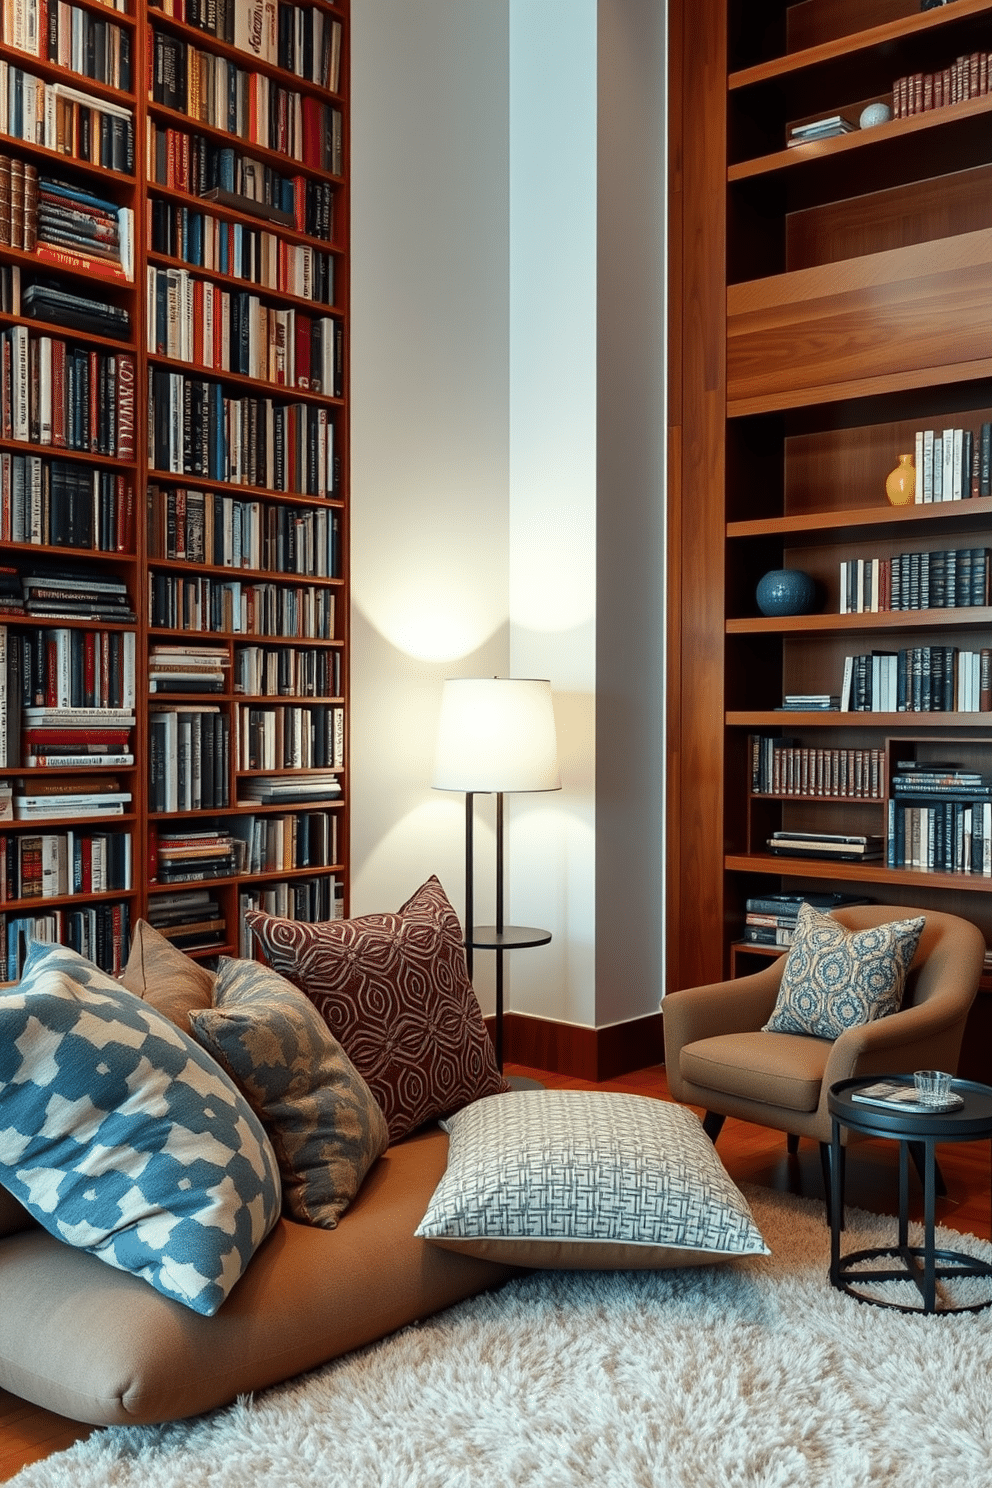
(917, 1152)
(713, 1125)
(792, 1142)
(825, 1165)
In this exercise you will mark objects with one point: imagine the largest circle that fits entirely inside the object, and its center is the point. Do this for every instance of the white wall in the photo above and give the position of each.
(477, 457)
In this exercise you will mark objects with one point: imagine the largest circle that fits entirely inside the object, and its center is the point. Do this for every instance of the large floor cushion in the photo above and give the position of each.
(782, 1069)
(98, 1345)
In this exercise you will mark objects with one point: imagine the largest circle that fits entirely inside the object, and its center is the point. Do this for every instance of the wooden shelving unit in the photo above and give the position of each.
(276, 293)
(829, 300)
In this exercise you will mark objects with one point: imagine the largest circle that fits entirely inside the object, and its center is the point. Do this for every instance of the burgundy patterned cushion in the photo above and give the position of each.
(394, 991)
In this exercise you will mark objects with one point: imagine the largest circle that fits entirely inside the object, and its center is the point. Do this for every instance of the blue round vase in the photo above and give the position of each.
(786, 591)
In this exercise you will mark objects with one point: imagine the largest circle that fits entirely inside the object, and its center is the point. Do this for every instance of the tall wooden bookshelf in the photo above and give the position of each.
(829, 302)
(194, 476)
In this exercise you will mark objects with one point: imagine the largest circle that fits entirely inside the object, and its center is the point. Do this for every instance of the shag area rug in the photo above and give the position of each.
(751, 1374)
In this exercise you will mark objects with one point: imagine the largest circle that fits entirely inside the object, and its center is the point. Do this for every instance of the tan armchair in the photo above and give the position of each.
(716, 1056)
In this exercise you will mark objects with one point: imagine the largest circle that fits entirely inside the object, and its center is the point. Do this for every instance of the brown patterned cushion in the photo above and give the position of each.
(164, 977)
(394, 990)
(323, 1121)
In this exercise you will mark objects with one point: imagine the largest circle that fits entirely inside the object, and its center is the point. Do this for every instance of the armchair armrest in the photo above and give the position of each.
(741, 1005)
(926, 1035)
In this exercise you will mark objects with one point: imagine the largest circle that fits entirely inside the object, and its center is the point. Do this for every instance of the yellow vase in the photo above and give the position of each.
(900, 484)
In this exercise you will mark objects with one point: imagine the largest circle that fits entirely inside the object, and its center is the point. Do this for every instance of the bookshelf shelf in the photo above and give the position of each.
(187, 866)
(830, 307)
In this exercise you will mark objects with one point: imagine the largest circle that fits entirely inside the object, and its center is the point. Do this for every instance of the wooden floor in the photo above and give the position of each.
(751, 1154)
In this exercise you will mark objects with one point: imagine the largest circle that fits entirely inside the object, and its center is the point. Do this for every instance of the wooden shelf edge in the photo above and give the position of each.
(860, 387)
(885, 620)
(860, 41)
(952, 512)
(874, 872)
(833, 718)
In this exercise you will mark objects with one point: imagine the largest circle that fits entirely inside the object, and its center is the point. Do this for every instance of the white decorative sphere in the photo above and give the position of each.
(875, 113)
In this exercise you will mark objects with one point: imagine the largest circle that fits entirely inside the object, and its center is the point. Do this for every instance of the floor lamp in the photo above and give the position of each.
(495, 734)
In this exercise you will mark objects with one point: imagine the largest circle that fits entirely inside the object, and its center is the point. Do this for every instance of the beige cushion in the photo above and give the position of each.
(308, 1295)
(163, 976)
(778, 1069)
(323, 1120)
(583, 1179)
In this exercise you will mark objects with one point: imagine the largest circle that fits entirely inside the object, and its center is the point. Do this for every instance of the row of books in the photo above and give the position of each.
(948, 837)
(79, 40)
(208, 527)
(70, 668)
(287, 671)
(65, 395)
(18, 205)
(854, 847)
(310, 900)
(191, 918)
(24, 23)
(189, 758)
(50, 865)
(302, 839)
(290, 737)
(301, 39)
(190, 855)
(249, 25)
(203, 324)
(309, 45)
(196, 428)
(186, 668)
(58, 503)
(919, 92)
(220, 173)
(211, 89)
(952, 578)
(783, 767)
(241, 251)
(231, 607)
(952, 464)
(918, 679)
(770, 919)
(100, 932)
(65, 119)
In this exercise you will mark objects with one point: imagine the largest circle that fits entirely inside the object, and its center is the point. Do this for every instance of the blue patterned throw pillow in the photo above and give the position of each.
(835, 978)
(586, 1179)
(123, 1138)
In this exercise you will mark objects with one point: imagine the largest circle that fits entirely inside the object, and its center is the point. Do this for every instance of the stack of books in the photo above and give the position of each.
(187, 668)
(191, 853)
(770, 919)
(855, 848)
(44, 301)
(56, 593)
(82, 230)
(63, 796)
(77, 738)
(192, 919)
(273, 790)
(817, 129)
(810, 702)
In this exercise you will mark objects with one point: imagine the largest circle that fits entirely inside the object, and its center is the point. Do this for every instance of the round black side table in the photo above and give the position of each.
(923, 1264)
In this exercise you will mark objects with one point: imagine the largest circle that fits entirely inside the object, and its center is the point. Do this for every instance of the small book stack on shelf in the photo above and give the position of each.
(819, 129)
(838, 847)
(770, 919)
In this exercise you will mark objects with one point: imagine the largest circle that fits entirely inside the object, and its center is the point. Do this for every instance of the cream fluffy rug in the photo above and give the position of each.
(753, 1374)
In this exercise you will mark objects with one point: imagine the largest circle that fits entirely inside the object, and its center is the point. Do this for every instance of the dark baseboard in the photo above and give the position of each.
(584, 1053)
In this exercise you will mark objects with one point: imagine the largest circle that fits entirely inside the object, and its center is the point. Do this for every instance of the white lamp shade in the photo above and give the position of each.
(496, 734)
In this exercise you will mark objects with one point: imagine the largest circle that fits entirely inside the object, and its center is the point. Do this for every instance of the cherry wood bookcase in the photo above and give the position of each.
(828, 302)
(232, 474)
